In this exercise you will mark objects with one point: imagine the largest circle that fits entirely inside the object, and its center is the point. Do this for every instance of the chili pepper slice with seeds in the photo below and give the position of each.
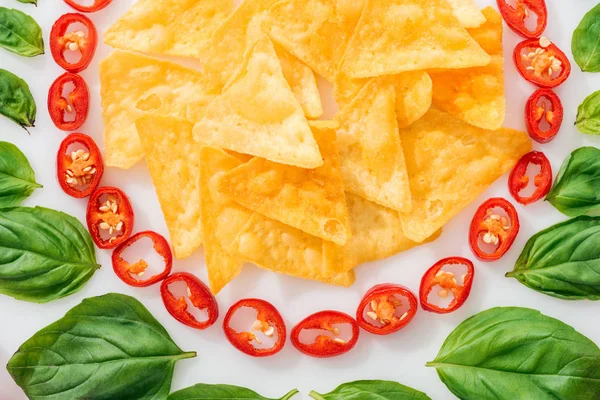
(79, 171)
(109, 217)
(543, 108)
(62, 42)
(96, 6)
(198, 294)
(519, 180)
(268, 321)
(516, 17)
(491, 229)
(378, 312)
(436, 276)
(326, 346)
(76, 101)
(126, 271)
(541, 62)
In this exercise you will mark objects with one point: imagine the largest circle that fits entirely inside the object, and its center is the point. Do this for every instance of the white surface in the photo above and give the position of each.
(399, 357)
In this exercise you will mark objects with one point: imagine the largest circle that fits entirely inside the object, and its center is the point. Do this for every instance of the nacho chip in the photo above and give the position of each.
(450, 163)
(173, 159)
(286, 250)
(315, 31)
(258, 114)
(377, 234)
(467, 13)
(370, 150)
(171, 27)
(311, 200)
(476, 95)
(394, 36)
(302, 81)
(222, 219)
(133, 84)
(413, 93)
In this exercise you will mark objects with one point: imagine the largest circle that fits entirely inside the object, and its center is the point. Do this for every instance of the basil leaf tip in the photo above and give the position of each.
(17, 179)
(19, 33)
(585, 43)
(16, 100)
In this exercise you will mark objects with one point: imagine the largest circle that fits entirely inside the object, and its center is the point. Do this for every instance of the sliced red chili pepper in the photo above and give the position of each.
(543, 115)
(488, 228)
(268, 321)
(62, 42)
(109, 217)
(386, 309)
(79, 165)
(541, 62)
(98, 5)
(125, 271)
(199, 295)
(516, 17)
(436, 276)
(326, 346)
(77, 101)
(519, 180)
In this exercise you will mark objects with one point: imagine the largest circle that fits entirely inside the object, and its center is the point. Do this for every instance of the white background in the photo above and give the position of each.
(399, 357)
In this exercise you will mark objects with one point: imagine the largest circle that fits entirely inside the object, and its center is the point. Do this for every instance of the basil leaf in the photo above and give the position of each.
(509, 353)
(563, 261)
(585, 44)
(20, 33)
(28, 2)
(588, 115)
(576, 189)
(44, 254)
(17, 179)
(107, 347)
(372, 390)
(16, 101)
(212, 392)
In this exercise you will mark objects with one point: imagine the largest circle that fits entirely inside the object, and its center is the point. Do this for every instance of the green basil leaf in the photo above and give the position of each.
(28, 2)
(203, 391)
(588, 115)
(509, 353)
(585, 44)
(563, 261)
(17, 179)
(576, 190)
(44, 254)
(371, 390)
(107, 347)
(16, 101)
(20, 33)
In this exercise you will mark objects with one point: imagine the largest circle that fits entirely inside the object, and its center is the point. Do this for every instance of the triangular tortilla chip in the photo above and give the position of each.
(467, 13)
(377, 234)
(286, 250)
(451, 163)
(476, 95)
(370, 150)
(312, 200)
(173, 159)
(315, 31)
(413, 93)
(222, 219)
(133, 84)
(171, 27)
(258, 114)
(394, 36)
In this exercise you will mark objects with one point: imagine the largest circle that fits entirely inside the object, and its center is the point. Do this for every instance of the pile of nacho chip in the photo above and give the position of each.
(243, 165)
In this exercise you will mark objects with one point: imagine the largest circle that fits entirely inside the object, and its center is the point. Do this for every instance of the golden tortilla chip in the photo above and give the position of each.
(315, 31)
(172, 27)
(476, 95)
(370, 150)
(173, 159)
(467, 13)
(312, 200)
(133, 84)
(413, 93)
(451, 163)
(258, 114)
(286, 250)
(394, 36)
(222, 219)
(377, 234)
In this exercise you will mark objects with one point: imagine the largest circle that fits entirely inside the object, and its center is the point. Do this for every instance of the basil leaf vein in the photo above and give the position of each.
(585, 43)
(371, 390)
(17, 179)
(16, 101)
(204, 391)
(19, 33)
